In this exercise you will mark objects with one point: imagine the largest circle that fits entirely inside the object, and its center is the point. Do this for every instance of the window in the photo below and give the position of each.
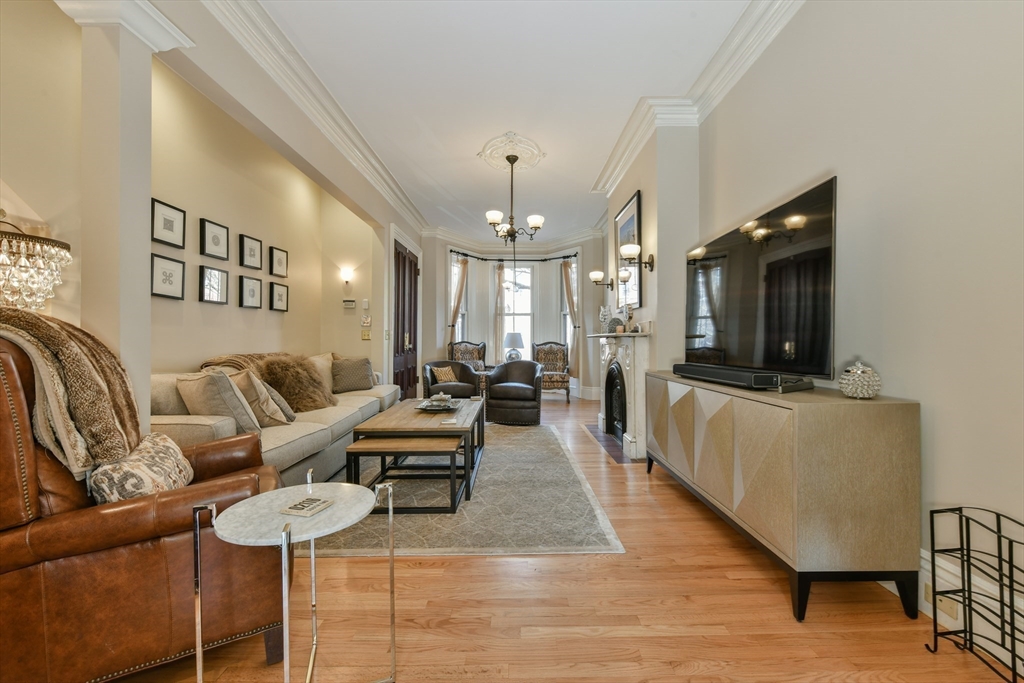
(459, 333)
(519, 306)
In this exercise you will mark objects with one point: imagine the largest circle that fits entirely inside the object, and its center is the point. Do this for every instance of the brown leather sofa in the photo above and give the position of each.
(513, 393)
(91, 593)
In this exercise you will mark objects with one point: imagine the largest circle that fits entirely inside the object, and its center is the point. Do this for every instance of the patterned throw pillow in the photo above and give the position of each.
(444, 374)
(351, 374)
(155, 465)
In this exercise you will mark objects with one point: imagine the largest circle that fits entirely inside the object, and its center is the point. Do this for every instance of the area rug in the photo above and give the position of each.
(530, 497)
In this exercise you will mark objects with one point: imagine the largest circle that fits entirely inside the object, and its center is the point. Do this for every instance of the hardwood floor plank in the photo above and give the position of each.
(690, 600)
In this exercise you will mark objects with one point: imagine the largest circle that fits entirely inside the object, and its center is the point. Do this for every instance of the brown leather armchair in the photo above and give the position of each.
(93, 592)
(513, 393)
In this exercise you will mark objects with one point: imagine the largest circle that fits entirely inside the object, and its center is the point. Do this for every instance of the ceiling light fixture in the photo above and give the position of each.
(515, 149)
(29, 267)
(763, 234)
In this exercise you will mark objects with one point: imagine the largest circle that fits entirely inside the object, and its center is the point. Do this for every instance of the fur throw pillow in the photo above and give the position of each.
(298, 382)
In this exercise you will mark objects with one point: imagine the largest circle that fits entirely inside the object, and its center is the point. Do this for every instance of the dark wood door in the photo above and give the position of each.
(404, 342)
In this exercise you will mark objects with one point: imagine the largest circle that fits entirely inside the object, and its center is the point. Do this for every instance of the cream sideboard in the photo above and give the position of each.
(827, 485)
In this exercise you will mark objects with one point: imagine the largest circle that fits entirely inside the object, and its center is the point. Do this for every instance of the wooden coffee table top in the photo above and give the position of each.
(406, 419)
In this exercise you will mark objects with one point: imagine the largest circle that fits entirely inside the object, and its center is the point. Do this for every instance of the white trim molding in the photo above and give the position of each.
(143, 20)
(756, 28)
(254, 29)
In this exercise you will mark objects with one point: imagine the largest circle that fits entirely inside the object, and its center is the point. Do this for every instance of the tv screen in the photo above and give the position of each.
(761, 296)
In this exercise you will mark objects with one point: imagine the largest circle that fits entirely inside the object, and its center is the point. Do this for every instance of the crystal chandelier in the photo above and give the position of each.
(515, 149)
(29, 267)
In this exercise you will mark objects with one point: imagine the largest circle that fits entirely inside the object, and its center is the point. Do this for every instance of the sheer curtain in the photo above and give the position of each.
(460, 291)
(499, 314)
(706, 290)
(570, 306)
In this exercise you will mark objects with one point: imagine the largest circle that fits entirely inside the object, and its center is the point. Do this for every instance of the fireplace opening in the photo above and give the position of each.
(615, 402)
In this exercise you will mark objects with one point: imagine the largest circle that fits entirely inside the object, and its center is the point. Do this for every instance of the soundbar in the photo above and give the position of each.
(748, 379)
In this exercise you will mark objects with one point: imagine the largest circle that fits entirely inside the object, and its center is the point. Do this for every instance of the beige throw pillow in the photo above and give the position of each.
(267, 412)
(213, 393)
(444, 374)
(351, 374)
(289, 414)
(155, 465)
(322, 363)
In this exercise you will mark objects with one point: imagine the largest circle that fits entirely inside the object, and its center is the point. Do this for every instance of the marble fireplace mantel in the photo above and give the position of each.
(633, 352)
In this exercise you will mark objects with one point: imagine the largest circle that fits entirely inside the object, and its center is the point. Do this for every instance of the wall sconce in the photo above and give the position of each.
(631, 252)
(624, 275)
(596, 276)
(346, 274)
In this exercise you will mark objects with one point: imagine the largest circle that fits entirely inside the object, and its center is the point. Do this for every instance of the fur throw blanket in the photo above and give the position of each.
(297, 380)
(241, 361)
(85, 411)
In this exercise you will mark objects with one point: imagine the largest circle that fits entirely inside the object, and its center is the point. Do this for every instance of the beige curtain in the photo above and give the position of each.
(499, 316)
(460, 290)
(570, 304)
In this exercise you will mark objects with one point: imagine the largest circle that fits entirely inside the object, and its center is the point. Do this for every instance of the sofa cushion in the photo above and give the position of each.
(267, 413)
(288, 444)
(164, 398)
(387, 394)
(189, 430)
(513, 391)
(351, 374)
(298, 381)
(213, 393)
(340, 419)
(155, 465)
(454, 389)
(368, 406)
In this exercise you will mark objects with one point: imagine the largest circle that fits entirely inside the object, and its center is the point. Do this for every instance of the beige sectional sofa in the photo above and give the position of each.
(316, 439)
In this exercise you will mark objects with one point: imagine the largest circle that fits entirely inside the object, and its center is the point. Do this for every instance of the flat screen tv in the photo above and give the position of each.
(761, 296)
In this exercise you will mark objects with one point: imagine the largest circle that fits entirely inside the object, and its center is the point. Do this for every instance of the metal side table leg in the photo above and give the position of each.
(391, 566)
(312, 585)
(286, 542)
(198, 585)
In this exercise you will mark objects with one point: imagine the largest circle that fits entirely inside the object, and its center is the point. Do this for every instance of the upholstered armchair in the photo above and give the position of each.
(467, 380)
(469, 353)
(554, 357)
(513, 393)
(93, 592)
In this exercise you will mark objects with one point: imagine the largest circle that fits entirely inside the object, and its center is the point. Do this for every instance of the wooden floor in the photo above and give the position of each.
(690, 600)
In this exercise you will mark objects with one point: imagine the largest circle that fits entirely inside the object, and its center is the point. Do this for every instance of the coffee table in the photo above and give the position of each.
(404, 420)
(259, 521)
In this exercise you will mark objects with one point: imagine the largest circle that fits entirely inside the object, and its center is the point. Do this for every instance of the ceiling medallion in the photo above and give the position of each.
(497, 151)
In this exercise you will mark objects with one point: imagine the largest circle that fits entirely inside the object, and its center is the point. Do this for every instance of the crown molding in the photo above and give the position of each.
(756, 28)
(143, 20)
(754, 31)
(257, 33)
(492, 246)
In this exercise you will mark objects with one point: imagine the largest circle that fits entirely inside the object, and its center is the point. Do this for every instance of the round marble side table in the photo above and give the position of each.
(259, 521)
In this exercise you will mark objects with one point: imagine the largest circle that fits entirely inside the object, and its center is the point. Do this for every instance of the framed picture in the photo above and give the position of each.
(250, 252)
(278, 262)
(250, 292)
(168, 224)
(278, 297)
(213, 285)
(627, 231)
(167, 277)
(213, 239)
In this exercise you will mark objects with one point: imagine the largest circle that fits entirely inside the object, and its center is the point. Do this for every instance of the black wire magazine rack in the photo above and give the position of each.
(988, 548)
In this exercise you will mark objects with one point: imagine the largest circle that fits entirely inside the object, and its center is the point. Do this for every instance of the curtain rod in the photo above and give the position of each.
(566, 257)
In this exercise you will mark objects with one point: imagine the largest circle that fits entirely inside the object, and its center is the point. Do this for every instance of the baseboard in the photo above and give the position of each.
(589, 393)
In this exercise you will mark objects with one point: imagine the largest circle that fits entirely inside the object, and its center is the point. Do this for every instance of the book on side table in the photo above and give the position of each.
(307, 507)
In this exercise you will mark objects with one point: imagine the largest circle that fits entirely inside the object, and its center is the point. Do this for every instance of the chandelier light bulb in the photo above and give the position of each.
(494, 217)
(596, 275)
(796, 222)
(535, 222)
(625, 274)
(748, 227)
(630, 252)
(760, 234)
(503, 229)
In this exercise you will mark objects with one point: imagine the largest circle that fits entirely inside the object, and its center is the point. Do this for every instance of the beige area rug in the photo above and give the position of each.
(530, 497)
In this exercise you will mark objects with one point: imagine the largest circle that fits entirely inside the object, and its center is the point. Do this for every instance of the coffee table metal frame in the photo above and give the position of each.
(393, 465)
(286, 540)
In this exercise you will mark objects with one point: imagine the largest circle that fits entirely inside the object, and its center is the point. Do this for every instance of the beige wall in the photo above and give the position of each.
(40, 126)
(209, 165)
(917, 107)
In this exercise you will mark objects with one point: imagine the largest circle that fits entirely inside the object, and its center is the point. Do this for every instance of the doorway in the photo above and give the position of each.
(404, 340)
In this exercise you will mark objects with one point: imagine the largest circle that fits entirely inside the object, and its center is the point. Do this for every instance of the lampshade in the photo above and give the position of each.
(796, 222)
(513, 340)
(625, 274)
(748, 227)
(503, 229)
(596, 275)
(697, 253)
(346, 274)
(760, 234)
(535, 222)
(629, 251)
(494, 217)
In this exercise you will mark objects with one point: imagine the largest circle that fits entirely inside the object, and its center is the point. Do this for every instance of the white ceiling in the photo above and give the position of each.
(428, 83)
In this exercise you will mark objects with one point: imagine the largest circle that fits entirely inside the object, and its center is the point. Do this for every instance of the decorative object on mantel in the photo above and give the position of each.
(604, 316)
(627, 227)
(860, 381)
(29, 267)
(616, 325)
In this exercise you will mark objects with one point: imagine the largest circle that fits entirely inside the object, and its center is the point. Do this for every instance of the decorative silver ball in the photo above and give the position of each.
(860, 381)
(513, 354)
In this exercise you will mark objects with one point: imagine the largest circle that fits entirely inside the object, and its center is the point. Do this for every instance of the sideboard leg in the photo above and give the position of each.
(800, 590)
(650, 464)
(906, 585)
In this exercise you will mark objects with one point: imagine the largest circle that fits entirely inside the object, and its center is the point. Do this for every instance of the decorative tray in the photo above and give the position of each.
(435, 408)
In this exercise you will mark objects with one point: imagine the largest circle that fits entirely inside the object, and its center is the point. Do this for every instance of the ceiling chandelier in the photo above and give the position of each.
(754, 231)
(515, 149)
(29, 267)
